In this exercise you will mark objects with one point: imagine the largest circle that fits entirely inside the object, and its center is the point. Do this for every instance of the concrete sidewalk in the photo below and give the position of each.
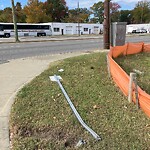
(13, 76)
(49, 38)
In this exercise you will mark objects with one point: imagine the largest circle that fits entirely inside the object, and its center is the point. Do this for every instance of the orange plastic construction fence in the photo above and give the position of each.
(121, 78)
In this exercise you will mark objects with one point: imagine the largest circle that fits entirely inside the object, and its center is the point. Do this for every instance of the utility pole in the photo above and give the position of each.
(78, 20)
(106, 24)
(142, 14)
(14, 21)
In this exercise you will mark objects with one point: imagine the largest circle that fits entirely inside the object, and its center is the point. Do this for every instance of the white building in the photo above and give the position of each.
(85, 28)
(75, 28)
(132, 27)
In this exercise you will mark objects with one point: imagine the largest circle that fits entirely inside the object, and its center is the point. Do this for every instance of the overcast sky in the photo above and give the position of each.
(125, 4)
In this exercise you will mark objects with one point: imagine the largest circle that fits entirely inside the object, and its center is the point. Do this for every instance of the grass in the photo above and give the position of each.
(42, 119)
(141, 63)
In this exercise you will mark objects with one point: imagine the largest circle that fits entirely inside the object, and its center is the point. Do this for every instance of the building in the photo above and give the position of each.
(75, 28)
(132, 27)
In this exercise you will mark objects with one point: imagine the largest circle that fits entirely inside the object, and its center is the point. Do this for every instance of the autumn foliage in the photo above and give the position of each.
(36, 11)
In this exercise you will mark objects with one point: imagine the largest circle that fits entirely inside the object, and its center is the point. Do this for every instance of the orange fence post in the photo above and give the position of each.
(130, 87)
(136, 90)
(122, 80)
(108, 66)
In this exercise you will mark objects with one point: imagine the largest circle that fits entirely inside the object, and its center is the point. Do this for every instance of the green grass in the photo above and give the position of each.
(139, 62)
(42, 119)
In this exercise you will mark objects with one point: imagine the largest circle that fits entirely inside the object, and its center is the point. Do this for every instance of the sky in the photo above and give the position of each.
(125, 4)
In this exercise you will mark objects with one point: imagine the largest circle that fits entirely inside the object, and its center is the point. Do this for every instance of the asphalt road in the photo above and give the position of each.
(10, 51)
(21, 50)
(139, 38)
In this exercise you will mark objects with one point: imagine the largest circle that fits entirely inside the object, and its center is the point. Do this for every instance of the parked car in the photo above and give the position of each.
(139, 31)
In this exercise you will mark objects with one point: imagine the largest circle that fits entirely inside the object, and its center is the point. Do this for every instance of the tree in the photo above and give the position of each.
(126, 16)
(20, 15)
(114, 11)
(1, 12)
(98, 12)
(57, 9)
(80, 15)
(141, 12)
(35, 12)
(6, 15)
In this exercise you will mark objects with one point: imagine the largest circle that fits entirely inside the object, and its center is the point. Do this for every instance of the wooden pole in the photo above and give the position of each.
(78, 19)
(106, 24)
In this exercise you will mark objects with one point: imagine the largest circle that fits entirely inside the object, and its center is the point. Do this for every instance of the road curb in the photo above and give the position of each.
(46, 40)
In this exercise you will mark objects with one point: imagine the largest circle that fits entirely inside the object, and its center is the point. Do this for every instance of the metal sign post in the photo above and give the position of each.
(56, 79)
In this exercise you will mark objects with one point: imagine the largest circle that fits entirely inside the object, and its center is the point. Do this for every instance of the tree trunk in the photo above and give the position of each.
(14, 21)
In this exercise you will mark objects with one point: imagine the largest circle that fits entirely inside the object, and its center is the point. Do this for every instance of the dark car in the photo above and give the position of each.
(139, 31)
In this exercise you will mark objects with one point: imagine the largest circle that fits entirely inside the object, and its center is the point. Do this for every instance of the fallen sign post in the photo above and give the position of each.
(57, 79)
